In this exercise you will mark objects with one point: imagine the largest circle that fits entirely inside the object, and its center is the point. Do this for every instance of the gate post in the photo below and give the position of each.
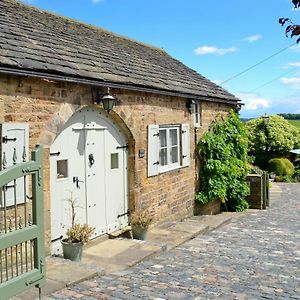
(38, 212)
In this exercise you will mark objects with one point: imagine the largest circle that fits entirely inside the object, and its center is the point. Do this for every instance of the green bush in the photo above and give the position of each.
(224, 163)
(275, 139)
(281, 167)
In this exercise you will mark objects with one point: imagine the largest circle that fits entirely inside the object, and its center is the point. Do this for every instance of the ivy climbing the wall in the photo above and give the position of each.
(224, 163)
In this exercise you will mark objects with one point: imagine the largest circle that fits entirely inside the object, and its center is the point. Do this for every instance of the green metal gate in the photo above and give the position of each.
(22, 253)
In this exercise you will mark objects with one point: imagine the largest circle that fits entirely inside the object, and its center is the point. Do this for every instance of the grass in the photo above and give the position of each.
(295, 123)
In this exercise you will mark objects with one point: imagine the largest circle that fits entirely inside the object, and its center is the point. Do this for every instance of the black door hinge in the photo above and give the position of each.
(124, 214)
(6, 139)
(54, 153)
(122, 147)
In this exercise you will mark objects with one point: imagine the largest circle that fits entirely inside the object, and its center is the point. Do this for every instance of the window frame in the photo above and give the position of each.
(154, 147)
(170, 166)
(197, 114)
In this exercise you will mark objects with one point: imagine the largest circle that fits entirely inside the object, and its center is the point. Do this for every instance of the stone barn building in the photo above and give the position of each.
(140, 155)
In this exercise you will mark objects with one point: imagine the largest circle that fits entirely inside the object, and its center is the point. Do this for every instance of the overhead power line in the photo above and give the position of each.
(274, 79)
(257, 64)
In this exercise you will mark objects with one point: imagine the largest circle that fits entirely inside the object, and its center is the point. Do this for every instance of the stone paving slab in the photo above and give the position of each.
(255, 256)
(176, 233)
(61, 273)
(117, 255)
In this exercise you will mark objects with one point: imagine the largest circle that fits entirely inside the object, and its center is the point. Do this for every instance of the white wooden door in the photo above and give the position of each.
(67, 180)
(116, 182)
(89, 162)
(95, 173)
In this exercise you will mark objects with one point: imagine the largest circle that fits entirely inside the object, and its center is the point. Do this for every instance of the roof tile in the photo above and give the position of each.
(31, 39)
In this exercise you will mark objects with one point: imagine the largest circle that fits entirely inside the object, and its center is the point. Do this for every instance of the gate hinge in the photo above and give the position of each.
(34, 280)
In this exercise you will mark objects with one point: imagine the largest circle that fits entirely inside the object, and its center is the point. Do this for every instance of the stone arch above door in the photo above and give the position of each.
(65, 112)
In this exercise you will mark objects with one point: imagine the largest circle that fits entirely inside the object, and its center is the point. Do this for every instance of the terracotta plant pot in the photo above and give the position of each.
(72, 251)
(139, 232)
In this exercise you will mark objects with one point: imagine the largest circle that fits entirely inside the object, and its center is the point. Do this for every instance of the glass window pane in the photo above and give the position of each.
(197, 121)
(163, 160)
(174, 155)
(173, 137)
(196, 108)
(62, 168)
(114, 161)
(163, 138)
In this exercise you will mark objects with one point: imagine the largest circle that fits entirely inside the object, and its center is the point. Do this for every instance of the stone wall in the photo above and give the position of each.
(256, 197)
(47, 105)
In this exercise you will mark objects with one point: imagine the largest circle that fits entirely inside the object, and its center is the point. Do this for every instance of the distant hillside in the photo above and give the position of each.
(294, 119)
(290, 116)
(244, 120)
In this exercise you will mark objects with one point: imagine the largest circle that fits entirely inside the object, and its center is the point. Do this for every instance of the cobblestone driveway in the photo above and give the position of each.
(254, 257)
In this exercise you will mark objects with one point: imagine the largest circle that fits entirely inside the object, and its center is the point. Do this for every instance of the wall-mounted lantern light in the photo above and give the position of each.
(189, 105)
(238, 108)
(266, 119)
(108, 101)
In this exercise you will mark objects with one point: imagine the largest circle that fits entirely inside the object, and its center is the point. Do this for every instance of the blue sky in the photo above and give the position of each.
(218, 39)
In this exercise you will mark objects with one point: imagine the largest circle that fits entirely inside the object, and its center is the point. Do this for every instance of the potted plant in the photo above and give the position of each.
(77, 236)
(140, 221)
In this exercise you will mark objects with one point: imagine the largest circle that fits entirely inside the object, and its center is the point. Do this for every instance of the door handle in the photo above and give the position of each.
(91, 159)
(76, 180)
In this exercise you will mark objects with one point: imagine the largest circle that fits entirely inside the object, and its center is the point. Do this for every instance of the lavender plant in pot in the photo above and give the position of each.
(140, 221)
(76, 236)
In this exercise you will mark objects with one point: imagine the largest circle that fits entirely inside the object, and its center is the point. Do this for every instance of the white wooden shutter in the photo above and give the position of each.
(185, 138)
(153, 150)
(15, 137)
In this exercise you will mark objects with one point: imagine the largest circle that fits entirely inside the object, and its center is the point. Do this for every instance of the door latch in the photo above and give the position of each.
(76, 180)
(91, 159)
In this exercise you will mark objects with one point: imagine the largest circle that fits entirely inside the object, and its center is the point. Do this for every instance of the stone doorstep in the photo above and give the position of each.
(176, 234)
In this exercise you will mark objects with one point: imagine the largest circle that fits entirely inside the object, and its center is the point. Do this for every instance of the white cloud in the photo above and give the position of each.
(254, 101)
(253, 38)
(293, 82)
(217, 81)
(295, 48)
(214, 50)
(294, 64)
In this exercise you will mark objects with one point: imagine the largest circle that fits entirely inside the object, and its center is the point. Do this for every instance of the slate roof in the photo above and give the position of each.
(39, 41)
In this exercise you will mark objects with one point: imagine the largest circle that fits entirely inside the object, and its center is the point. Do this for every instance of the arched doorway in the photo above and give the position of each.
(88, 166)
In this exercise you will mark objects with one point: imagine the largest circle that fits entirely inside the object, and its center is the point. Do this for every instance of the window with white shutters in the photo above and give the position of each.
(168, 148)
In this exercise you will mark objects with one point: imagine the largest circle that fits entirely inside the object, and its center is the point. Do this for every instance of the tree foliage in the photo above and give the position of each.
(291, 28)
(281, 167)
(224, 163)
(271, 140)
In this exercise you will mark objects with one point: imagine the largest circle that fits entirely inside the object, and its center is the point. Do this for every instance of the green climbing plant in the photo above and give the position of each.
(224, 160)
